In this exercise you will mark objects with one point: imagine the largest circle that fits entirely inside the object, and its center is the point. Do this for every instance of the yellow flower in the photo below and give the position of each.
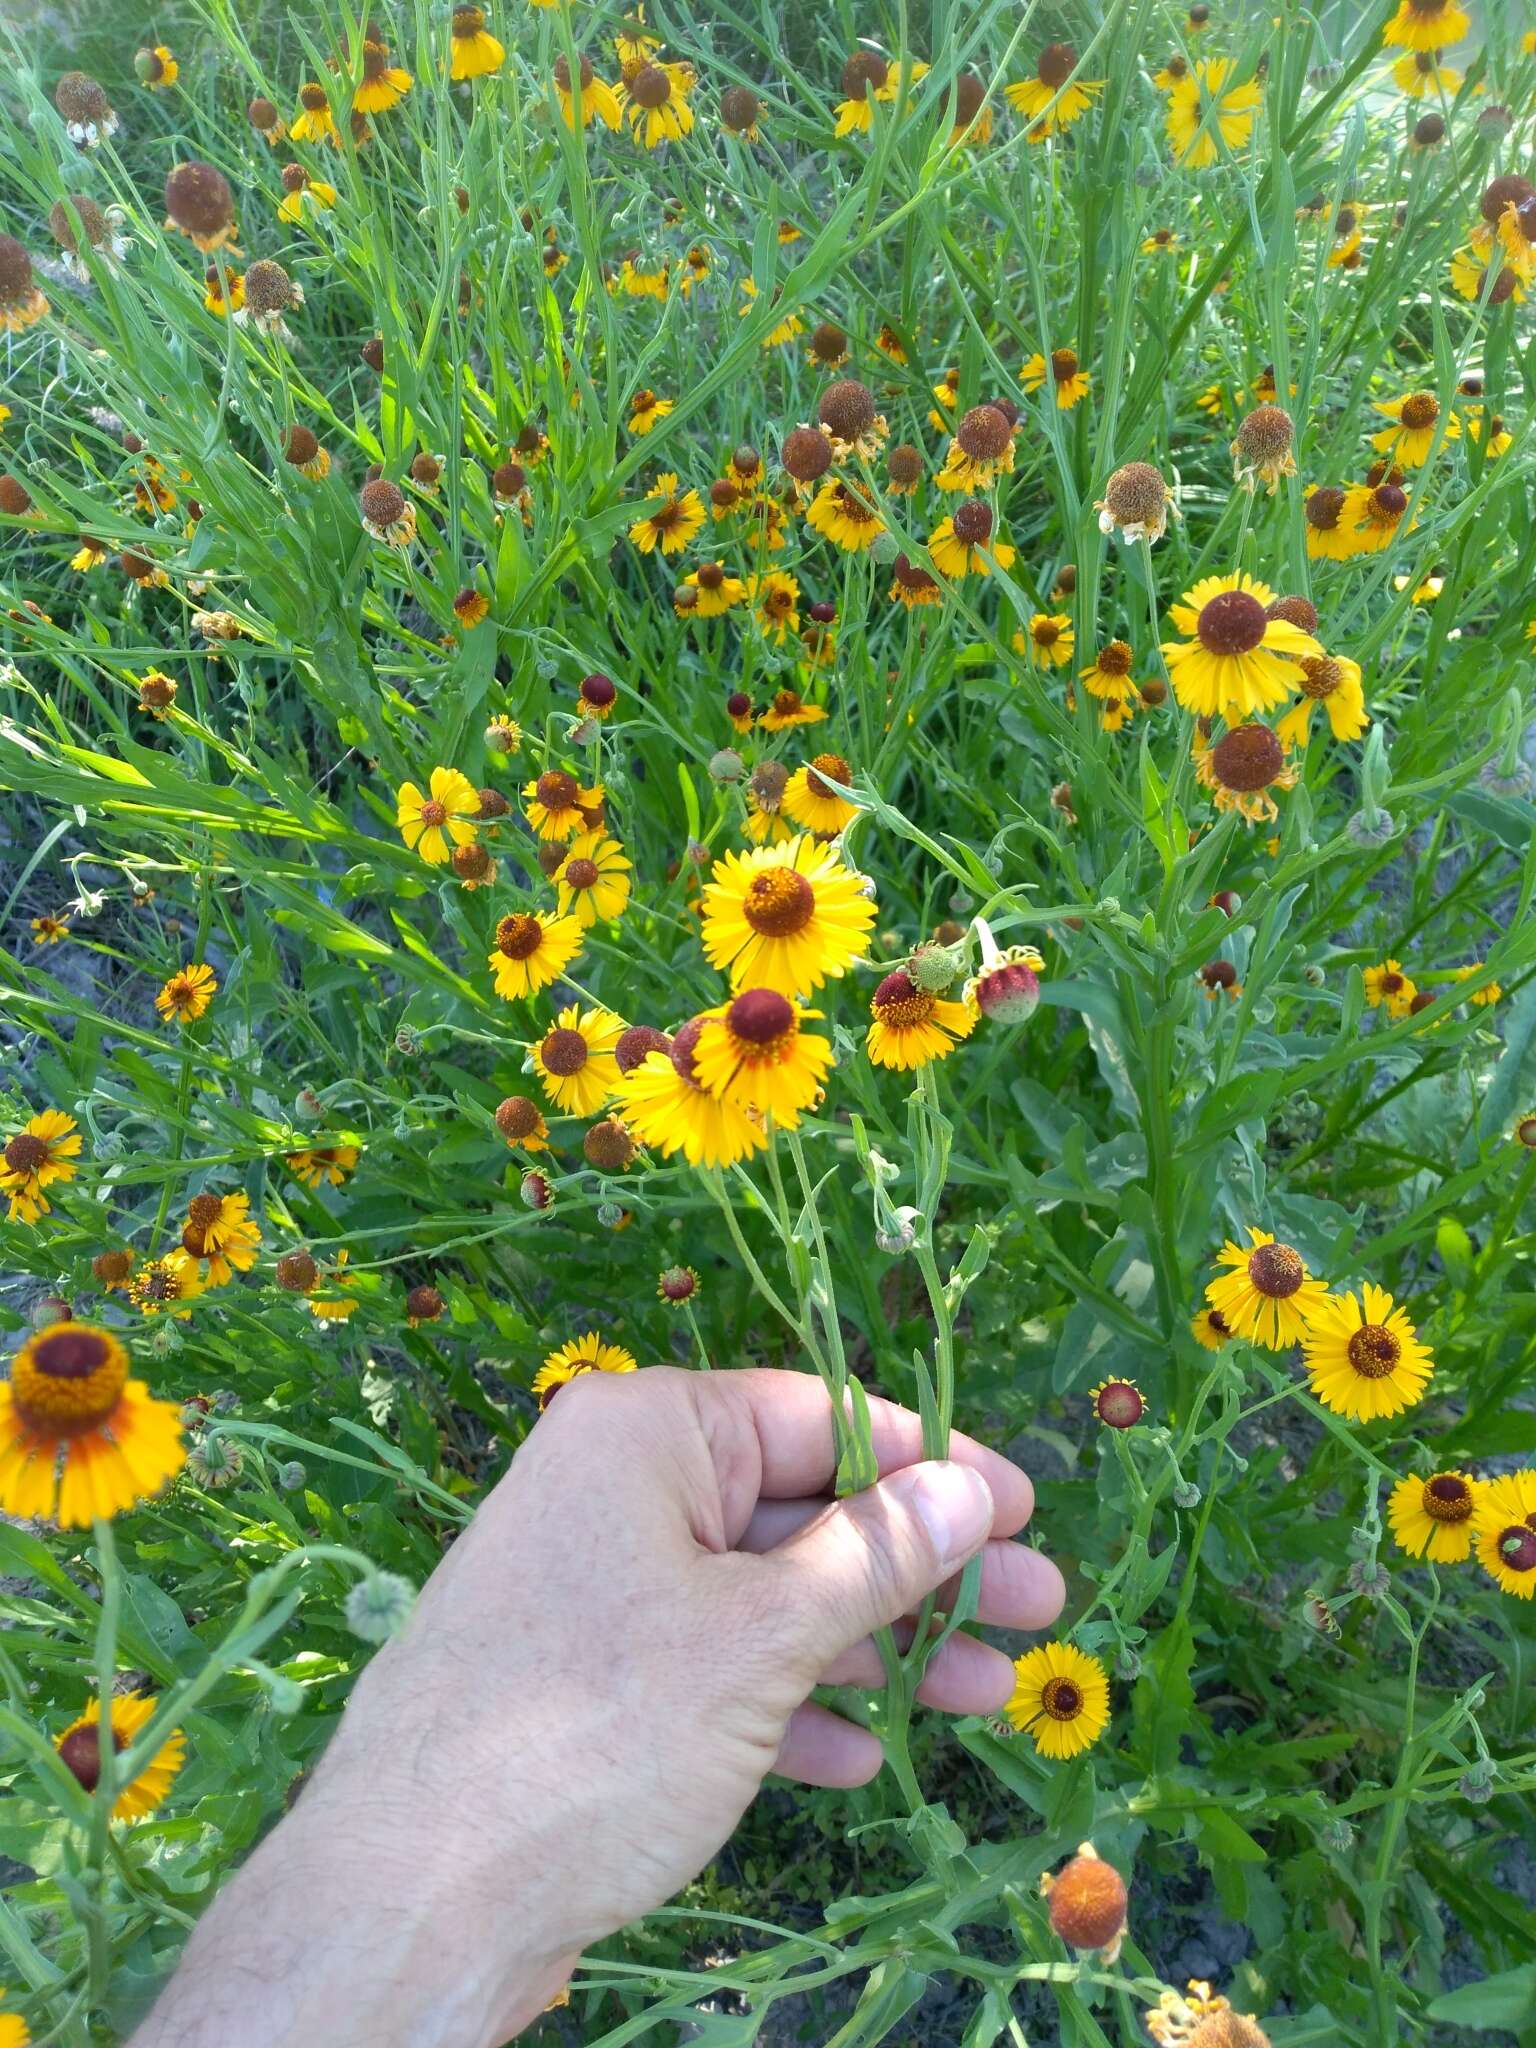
(634, 282)
(42, 1152)
(1231, 662)
(808, 801)
(843, 513)
(655, 101)
(559, 808)
(1108, 675)
(302, 196)
(322, 1165)
(645, 409)
(665, 1105)
(433, 825)
(48, 931)
(473, 51)
(1412, 435)
(1363, 1356)
(1161, 242)
(80, 1748)
(910, 1026)
(187, 994)
(21, 303)
(1419, 75)
(1483, 997)
(789, 708)
(1068, 379)
(1504, 1531)
(530, 952)
(1388, 987)
(1201, 103)
(965, 545)
(785, 917)
(163, 1286)
(575, 1059)
(582, 1355)
(1047, 100)
(1371, 515)
(787, 328)
(383, 85)
(754, 1054)
(867, 77)
(714, 592)
(597, 100)
(223, 292)
(314, 122)
(79, 1440)
(775, 598)
(1333, 681)
(157, 68)
(592, 882)
(1426, 25)
(331, 1308)
(220, 1237)
(1267, 1295)
(1209, 1329)
(675, 518)
(14, 2031)
(1433, 1517)
(1061, 1698)
(1499, 439)
(1050, 641)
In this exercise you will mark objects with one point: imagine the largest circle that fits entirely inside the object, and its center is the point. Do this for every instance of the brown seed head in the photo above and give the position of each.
(1321, 675)
(1136, 494)
(910, 576)
(1420, 410)
(381, 503)
(739, 108)
(847, 408)
(261, 114)
(636, 1043)
(268, 287)
(425, 469)
(297, 1272)
(760, 1016)
(1154, 691)
(711, 575)
(829, 344)
(471, 863)
(1509, 190)
(1233, 622)
(198, 199)
(768, 783)
(1056, 65)
(1087, 1903)
(111, 1269)
(15, 272)
(650, 87)
(564, 1051)
(1247, 758)
(904, 464)
(807, 454)
(1323, 507)
(723, 494)
(865, 69)
(424, 1304)
(973, 522)
(372, 353)
(79, 97)
(608, 1146)
(1300, 611)
(970, 98)
(984, 433)
(1265, 435)
(63, 216)
(517, 1118)
(26, 1152)
(1428, 130)
(15, 498)
(293, 177)
(301, 446)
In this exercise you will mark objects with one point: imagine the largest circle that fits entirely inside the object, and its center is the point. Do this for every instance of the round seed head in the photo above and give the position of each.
(79, 97)
(1136, 494)
(15, 272)
(268, 287)
(1056, 65)
(297, 1272)
(608, 1146)
(847, 409)
(261, 114)
(807, 454)
(739, 108)
(1265, 435)
(381, 502)
(198, 200)
(970, 97)
(829, 344)
(301, 446)
(904, 464)
(1087, 1903)
(1428, 130)
(984, 433)
(372, 353)
(1247, 758)
(424, 1304)
(1509, 190)
(973, 522)
(15, 498)
(517, 1118)
(636, 1043)
(69, 218)
(1300, 611)
(863, 70)
(650, 87)
(1323, 507)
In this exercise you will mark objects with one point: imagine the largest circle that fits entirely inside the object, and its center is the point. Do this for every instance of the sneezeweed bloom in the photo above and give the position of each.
(521, 1122)
(387, 513)
(1007, 990)
(712, 590)
(156, 69)
(1068, 379)
(575, 1059)
(320, 1166)
(220, 1237)
(1421, 75)
(811, 802)
(1202, 105)
(912, 586)
(911, 1026)
(671, 521)
(1136, 503)
(666, 1105)
(842, 512)
(1210, 1329)
(1433, 1517)
(1047, 100)
(596, 100)
(1416, 420)
(303, 196)
(785, 330)
(267, 121)
(981, 451)
(39, 1155)
(645, 409)
(314, 122)
(1060, 1698)
(1108, 675)
(1388, 987)
(187, 994)
(531, 951)
(590, 1353)
(383, 84)
(1426, 25)
(200, 205)
(655, 101)
(79, 1439)
(1161, 242)
(1201, 2021)
(1363, 1356)
(165, 1286)
(1267, 1295)
(963, 545)
(471, 608)
(48, 931)
(1499, 440)
(270, 293)
(740, 111)
(434, 823)
(1372, 513)
(89, 118)
(785, 917)
(79, 1748)
(774, 598)
(1504, 1532)
(21, 302)
(973, 117)
(765, 822)
(1118, 1404)
(867, 77)
(1087, 1903)
(473, 51)
(1262, 449)
(676, 1285)
(1483, 997)
(754, 1053)
(223, 291)
(592, 883)
(1329, 534)
(559, 807)
(788, 708)
(1332, 681)
(1241, 768)
(1049, 640)
(1232, 661)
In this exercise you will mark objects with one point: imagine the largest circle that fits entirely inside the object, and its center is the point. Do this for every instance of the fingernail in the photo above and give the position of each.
(954, 1505)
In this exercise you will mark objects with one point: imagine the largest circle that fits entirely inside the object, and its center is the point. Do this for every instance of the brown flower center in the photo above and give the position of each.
(1062, 1699)
(1420, 410)
(650, 86)
(973, 523)
(519, 936)
(80, 1752)
(1387, 504)
(1232, 623)
(1517, 1548)
(1276, 1270)
(1115, 659)
(564, 1051)
(1247, 758)
(557, 790)
(1373, 1351)
(432, 812)
(1045, 632)
(1323, 508)
(1321, 675)
(761, 1016)
(1218, 1322)
(1063, 365)
(26, 1153)
(778, 903)
(1447, 1498)
(825, 765)
(900, 1004)
(1057, 63)
(581, 874)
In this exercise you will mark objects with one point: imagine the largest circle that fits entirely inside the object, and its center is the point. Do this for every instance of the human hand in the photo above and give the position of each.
(591, 1690)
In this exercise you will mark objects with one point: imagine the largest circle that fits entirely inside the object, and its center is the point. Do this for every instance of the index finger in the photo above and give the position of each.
(791, 1415)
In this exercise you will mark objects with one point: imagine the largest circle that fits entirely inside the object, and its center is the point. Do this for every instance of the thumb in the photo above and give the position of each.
(869, 1559)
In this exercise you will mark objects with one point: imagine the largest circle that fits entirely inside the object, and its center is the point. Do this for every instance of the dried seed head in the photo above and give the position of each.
(64, 215)
(297, 1272)
(1323, 507)
(807, 454)
(15, 498)
(973, 522)
(608, 1146)
(650, 87)
(739, 108)
(381, 503)
(15, 272)
(293, 177)
(1136, 494)
(1265, 436)
(1509, 190)
(984, 433)
(863, 70)
(769, 779)
(550, 857)
(1300, 611)
(711, 575)
(970, 97)
(198, 200)
(723, 494)
(1428, 130)
(262, 115)
(904, 464)
(847, 408)
(111, 1269)
(372, 354)
(509, 481)
(425, 470)
(829, 344)
(424, 1304)
(633, 1046)
(1247, 758)
(1056, 65)
(1154, 691)
(301, 446)
(1087, 1903)
(79, 97)
(472, 863)
(517, 1118)
(1321, 675)
(268, 287)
